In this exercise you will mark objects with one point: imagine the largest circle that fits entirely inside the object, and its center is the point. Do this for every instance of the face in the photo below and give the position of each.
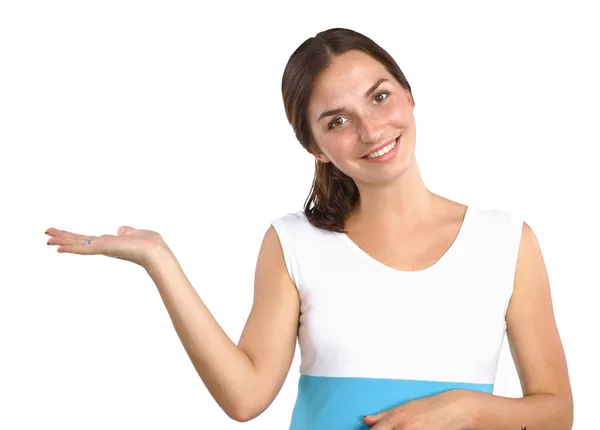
(356, 107)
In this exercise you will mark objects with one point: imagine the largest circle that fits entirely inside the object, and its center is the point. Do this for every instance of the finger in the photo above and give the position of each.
(385, 420)
(78, 249)
(71, 241)
(373, 419)
(63, 233)
(76, 246)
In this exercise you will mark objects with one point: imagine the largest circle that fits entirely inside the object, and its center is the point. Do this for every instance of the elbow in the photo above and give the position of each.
(244, 411)
(242, 415)
(245, 402)
(568, 414)
(241, 418)
(566, 402)
(238, 416)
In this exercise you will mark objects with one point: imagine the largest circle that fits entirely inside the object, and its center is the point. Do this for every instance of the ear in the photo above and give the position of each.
(322, 158)
(319, 155)
(411, 100)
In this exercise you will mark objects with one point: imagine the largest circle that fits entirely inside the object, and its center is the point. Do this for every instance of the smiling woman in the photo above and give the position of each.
(405, 296)
(400, 299)
(336, 86)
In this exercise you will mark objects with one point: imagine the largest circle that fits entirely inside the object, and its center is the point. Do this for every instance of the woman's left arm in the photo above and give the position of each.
(537, 352)
(536, 348)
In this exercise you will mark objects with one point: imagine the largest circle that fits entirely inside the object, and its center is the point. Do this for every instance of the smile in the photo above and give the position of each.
(382, 151)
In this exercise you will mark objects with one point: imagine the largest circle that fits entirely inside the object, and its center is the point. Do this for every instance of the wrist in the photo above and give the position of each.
(156, 256)
(473, 410)
(467, 406)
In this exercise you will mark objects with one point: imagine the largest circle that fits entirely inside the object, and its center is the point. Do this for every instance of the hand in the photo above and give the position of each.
(129, 244)
(450, 410)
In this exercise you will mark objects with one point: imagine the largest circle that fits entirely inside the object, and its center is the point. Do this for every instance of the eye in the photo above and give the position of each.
(336, 122)
(380, 96)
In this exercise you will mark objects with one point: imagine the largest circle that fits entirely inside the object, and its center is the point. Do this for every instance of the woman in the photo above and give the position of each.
(400, 298)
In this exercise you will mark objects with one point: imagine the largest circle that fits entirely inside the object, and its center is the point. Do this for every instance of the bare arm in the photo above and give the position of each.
(537, 350)
(244, 379)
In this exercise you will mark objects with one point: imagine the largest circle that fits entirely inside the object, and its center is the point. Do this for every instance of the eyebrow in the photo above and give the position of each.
(370, 91)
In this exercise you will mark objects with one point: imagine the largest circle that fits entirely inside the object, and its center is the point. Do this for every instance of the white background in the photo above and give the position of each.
(168, 116)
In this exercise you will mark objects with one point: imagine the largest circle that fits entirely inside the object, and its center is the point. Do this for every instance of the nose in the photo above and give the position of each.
(369, 130)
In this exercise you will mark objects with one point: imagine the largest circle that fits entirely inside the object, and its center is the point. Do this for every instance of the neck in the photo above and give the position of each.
(403, 205)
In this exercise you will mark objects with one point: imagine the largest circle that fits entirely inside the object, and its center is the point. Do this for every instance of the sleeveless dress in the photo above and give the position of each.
(372, 337)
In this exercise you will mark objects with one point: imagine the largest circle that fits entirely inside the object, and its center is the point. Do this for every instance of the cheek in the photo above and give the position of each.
(338, 145)
(399, 110)
(392, 108)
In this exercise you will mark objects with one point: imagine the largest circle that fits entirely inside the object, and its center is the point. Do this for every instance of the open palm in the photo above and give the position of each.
(129, 244)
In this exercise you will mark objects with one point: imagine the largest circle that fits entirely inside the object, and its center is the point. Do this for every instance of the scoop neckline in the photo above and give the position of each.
(444, 259)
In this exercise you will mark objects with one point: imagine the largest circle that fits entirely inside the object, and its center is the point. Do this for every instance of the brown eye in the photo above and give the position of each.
(381, 96)
(336, 122)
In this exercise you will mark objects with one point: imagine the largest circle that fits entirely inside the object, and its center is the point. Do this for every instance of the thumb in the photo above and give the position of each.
(125, 230)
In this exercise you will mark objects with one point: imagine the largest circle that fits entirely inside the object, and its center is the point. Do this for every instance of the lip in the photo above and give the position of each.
(372, 150)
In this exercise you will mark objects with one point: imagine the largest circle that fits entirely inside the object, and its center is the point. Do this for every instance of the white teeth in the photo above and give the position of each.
(383, 150)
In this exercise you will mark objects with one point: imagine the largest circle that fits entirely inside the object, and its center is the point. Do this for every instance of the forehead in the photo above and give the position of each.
(348, 75)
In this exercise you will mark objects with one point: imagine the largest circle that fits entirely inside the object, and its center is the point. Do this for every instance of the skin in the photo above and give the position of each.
(395, 204)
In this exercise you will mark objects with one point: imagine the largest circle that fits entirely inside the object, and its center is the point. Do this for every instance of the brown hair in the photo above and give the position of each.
(333, 194)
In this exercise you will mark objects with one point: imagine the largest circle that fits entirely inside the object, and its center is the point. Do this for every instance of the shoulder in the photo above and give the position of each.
(531, 282)
(296, 223)
(531, 270)
(529, 244)
(503, 224)
(290, 223)
(294, 217)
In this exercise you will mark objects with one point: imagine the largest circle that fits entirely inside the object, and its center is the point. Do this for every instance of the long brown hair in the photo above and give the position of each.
(333, 194)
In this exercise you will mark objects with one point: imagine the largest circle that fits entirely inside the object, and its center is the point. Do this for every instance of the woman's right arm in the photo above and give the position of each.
(244, 379)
